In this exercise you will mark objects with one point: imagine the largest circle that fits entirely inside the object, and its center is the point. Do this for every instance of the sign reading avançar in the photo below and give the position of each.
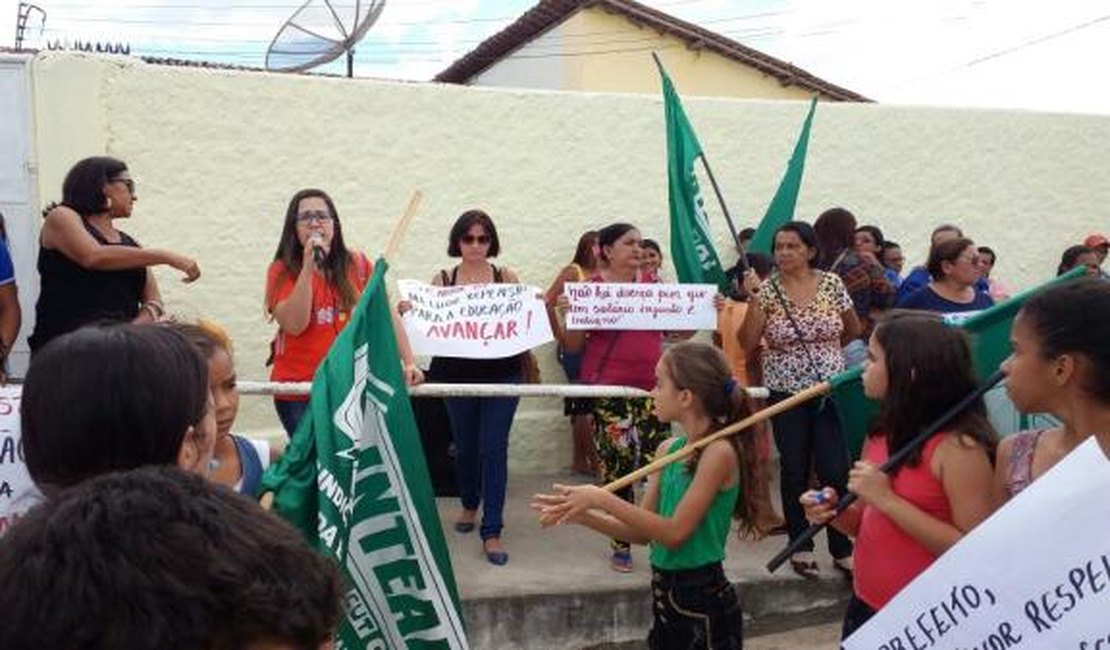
(640, 306)
(1034, 575)
(476, 321)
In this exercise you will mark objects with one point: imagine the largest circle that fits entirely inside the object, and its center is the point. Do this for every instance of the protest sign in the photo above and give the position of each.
(1034, 575)
(475, 321)
(17, 491)
(640, 306)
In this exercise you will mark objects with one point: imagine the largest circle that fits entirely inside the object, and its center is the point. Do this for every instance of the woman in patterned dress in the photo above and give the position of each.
(804, 315)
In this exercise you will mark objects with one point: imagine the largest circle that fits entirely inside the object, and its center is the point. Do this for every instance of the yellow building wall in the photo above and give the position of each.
(623, 62)
(217, 154)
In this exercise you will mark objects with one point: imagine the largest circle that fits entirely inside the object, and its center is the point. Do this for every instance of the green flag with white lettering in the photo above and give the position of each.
(785, 200)
(695, 259)
(354, 480)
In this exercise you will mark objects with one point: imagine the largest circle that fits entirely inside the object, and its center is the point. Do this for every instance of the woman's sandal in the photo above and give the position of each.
(805, 565)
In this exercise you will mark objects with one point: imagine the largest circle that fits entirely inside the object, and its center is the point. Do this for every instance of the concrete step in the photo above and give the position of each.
(557, 591)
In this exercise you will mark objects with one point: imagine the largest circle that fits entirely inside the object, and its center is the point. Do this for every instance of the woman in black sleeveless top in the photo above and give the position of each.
(89, 270)
(480, 425)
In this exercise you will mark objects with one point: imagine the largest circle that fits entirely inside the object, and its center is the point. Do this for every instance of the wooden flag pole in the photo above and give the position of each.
(816, 390)
(402, 226)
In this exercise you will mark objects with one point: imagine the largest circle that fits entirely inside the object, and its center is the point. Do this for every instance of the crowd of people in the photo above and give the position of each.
(831, 295)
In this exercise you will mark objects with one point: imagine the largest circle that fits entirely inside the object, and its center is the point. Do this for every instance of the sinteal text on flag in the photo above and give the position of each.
(354, 481)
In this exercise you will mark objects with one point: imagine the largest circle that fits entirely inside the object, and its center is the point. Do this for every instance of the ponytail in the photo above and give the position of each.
(703, 370)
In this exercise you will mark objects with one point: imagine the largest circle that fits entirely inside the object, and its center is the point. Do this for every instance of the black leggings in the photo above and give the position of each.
(695, 609)
(808, 435)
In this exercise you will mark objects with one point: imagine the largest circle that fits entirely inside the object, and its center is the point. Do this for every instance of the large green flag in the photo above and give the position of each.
(782, 205)
(989, 331)
(353, 479)
(695, 259)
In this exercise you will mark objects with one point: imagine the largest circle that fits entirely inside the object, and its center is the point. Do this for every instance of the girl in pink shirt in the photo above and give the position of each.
(918, 368)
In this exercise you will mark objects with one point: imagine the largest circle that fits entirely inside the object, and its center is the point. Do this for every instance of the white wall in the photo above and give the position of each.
(217, 154)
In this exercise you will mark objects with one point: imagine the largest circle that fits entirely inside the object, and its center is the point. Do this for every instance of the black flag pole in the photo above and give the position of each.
(893, 462)
(724, 209)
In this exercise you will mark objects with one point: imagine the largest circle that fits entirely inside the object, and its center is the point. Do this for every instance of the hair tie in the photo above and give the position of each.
(730, 387)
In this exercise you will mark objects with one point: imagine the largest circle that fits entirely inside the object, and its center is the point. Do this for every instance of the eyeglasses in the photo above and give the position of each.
(481, 240)
(127, 182)
(313, 216)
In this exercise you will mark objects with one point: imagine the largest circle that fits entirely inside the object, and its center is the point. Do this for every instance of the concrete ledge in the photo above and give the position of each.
(558, 592)
(620, 618)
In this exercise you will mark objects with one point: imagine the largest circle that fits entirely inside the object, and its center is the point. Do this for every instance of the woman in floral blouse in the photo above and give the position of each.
(804, 316)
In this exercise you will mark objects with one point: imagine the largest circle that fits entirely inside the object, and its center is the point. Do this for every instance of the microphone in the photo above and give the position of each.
(317, 251)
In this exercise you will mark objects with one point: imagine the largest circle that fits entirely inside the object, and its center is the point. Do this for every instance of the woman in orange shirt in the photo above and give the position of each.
(311, 287)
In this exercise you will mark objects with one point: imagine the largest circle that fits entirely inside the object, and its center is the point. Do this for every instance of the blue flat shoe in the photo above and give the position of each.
(464, 526)
(499, 558)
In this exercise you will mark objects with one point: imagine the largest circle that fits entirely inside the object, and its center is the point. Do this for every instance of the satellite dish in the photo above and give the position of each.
(319, 32)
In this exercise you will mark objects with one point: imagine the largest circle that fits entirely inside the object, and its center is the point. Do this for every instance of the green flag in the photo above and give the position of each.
(782, 206)
(695, 259)
(353, 479)
(989, 331)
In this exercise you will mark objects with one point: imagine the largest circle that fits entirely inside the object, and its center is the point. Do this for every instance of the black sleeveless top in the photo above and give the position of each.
(460, 370)
(71, 295)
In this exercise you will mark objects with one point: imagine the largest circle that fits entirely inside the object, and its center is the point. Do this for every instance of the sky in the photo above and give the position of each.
(1010, 54)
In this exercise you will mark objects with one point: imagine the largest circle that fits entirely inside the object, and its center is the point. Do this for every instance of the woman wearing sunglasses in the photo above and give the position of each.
(311, 287)
(479, 425)
(89, 270)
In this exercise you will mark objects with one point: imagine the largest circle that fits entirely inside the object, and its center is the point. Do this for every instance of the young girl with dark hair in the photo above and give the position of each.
(109, 398)
(311, 287)
(918, 368)
(237, 461)
(1060, 365)
(687, 507)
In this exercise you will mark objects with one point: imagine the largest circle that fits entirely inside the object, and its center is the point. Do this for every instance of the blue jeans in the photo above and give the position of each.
(481, 426)
(290, 413)
(809, 435)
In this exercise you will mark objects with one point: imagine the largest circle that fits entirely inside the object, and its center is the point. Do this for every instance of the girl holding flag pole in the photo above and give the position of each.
(918, 368)
(687, 507)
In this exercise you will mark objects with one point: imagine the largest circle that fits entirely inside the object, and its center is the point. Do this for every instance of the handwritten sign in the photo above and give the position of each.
(475, 321)
(17, 491)
(640, 306)
(1034, 575)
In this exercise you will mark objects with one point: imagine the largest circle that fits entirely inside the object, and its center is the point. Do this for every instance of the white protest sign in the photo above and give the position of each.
(475, 321)
(1034, 575)
(17, 491)
(640, 306)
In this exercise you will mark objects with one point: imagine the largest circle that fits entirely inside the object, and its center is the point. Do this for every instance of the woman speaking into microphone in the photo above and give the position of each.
(311, 287)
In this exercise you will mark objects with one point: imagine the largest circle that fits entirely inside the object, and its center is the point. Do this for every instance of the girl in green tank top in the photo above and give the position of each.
(687, 508)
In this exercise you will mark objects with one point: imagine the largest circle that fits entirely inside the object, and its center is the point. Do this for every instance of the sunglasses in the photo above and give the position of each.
(481, 240)
(313, 216)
